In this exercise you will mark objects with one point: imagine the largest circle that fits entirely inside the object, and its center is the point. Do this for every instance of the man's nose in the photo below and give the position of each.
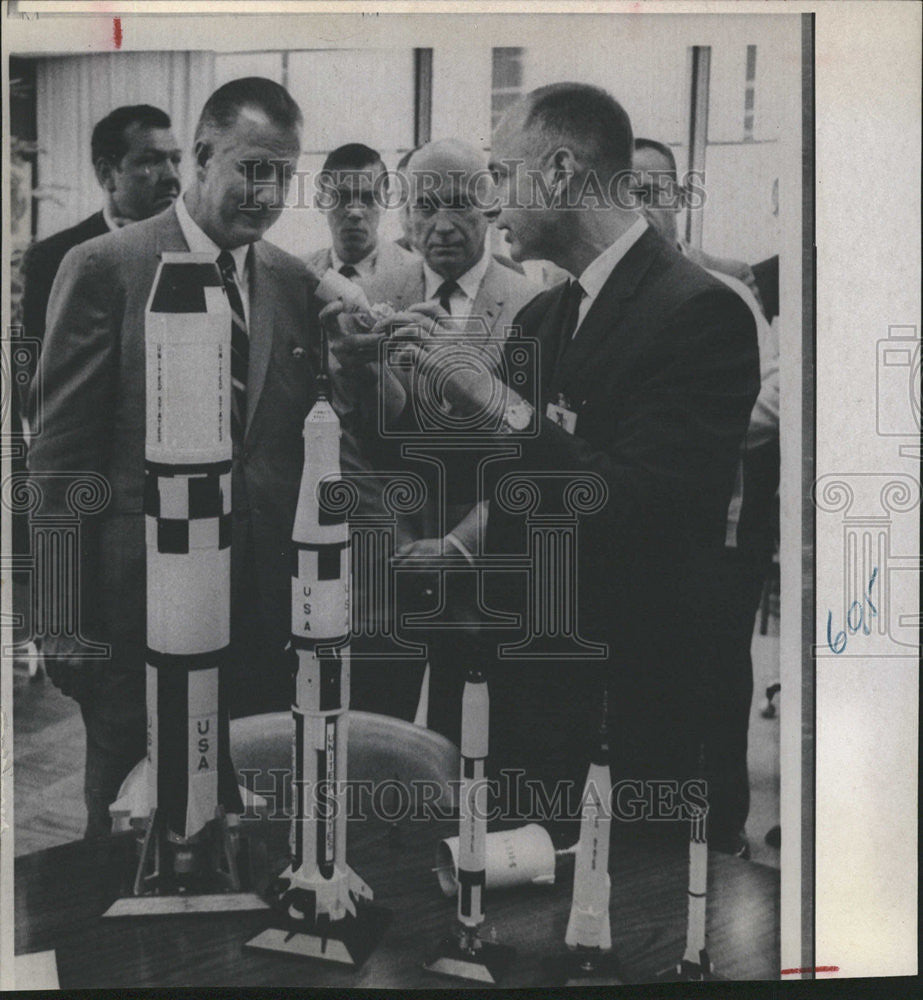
(169, 170)
(444, 221)
(355, 210)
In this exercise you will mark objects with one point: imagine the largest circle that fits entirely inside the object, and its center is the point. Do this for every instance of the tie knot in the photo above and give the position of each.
(446, 289)
(226, 263)
(348, 271)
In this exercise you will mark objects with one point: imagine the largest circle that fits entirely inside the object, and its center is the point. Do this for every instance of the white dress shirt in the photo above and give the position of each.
(461, 301)
(365, 268)
(597, 272)
(199, 242)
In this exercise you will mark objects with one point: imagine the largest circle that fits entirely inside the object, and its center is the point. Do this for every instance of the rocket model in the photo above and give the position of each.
(695, 965)
(588, 936)
(464, 955)
(192, 842)
(588, 925)
(320, 901)
(472, 827)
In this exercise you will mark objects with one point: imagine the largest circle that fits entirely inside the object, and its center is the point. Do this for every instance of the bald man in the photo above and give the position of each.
(451, 194)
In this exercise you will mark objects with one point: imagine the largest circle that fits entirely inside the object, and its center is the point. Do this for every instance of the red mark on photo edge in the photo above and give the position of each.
(117, 32)
(817, 968)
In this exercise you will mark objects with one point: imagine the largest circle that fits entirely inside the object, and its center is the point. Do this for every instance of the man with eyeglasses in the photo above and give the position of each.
(136, 160)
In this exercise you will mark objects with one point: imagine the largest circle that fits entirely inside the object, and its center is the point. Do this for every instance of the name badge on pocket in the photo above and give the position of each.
(562, 414)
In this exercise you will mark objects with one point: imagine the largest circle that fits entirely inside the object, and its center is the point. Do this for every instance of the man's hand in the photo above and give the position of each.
(69, 671)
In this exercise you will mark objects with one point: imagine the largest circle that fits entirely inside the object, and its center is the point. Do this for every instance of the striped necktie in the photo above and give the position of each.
(240, 346)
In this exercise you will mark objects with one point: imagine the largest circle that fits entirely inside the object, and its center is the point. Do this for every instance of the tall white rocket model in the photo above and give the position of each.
(464, 954)
(695, 965)
(588, 936)
(191, 842)
(321, 903)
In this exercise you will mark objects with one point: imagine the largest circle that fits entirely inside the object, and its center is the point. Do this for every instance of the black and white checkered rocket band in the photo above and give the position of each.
(329, 564)
(188, 506)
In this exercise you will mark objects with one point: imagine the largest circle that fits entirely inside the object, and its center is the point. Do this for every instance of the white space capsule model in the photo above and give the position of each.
(320, 884)
(588, 924)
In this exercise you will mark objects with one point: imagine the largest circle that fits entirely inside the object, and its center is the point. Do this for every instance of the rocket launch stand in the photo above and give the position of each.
(347, 941)
(584, 966)
(688, 971)
(220, 869)
(463, 955)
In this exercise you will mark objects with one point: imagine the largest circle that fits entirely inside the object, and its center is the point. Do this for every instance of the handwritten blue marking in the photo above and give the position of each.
(854, 622)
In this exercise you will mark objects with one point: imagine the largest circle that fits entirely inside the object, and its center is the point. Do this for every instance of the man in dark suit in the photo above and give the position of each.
(94, 420)
(648, 371)
(136, 161)
(354, 191)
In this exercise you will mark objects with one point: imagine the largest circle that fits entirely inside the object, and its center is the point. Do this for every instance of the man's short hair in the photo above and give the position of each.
(661, 148)
(587, 116)
(109, 141)
(225, 104)
(352, 156)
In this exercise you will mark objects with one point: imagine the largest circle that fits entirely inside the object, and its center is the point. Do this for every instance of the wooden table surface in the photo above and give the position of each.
(62, 892)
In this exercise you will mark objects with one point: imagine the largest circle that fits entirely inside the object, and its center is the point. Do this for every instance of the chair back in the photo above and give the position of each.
(381, 750)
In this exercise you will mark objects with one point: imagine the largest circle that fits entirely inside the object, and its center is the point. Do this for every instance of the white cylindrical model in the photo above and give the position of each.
(698, 883)
(187, 506)
(588, 925)
(472, 825)
(320, 884)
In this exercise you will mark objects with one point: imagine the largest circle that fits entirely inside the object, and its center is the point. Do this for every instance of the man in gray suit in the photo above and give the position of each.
(93, 378)
(354, 190)
(477, 298)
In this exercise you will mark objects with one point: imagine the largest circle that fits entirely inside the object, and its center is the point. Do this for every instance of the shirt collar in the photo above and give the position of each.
(364, 267)
(597, 271)
(199, 242)
(469, 282)
(107, 218)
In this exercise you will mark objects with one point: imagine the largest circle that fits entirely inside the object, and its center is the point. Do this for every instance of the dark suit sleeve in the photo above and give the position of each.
(38, 272)
(71, 415)
(669, 454)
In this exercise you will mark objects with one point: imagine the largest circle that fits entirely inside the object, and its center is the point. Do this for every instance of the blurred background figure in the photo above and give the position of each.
(354, 189)
(664, 197)
(136, 160)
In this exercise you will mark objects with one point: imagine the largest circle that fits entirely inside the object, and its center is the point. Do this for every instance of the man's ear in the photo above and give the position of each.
(104, 171)
(202, 152)
(564, 166)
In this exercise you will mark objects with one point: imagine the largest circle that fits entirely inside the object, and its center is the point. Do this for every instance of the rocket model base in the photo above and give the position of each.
(463, 955)
(584, 967)
(222, 869)
(348, 941)
(691, 972)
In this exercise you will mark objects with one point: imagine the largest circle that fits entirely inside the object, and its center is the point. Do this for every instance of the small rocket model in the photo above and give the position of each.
(464, 955)
(320, 902)
(588, 935)
(695, 965)
(192, 840)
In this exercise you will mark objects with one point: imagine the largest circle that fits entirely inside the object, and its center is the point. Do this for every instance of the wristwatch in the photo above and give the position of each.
(517, 417)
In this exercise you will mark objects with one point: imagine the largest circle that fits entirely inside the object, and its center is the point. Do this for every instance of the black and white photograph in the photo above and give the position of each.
(454, 532)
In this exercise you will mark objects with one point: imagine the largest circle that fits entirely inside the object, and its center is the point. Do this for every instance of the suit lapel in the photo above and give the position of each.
(601, 323)
(260, 327)
(488, 302)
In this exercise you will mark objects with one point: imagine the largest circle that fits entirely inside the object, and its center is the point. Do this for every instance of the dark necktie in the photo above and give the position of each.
(240, 346)
(570, 312)
(444, 294)
(348, 271)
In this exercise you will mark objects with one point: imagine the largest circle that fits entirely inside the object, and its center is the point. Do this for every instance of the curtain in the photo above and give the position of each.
(74, 92)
